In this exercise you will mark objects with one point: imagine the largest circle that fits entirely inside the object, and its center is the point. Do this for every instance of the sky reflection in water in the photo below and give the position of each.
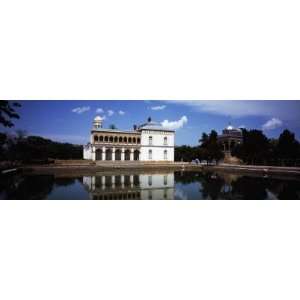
(172, 185)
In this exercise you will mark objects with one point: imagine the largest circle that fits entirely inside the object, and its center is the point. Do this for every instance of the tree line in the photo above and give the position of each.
(255, 149)
(30, 149)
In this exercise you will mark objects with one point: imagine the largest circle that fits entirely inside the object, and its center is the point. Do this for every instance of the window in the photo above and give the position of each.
(138, 140)
(101, 138)
(165, 154)
(165, 140)
(150, 154)
(149, 180)
(165, 179)
(150, 140)
(96, 138)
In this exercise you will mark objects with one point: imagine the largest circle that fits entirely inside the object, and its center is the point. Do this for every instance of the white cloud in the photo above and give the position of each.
(99, 110)
(110, 112)
(121, 112)
(160, 107)
(174, 124)
(81, 110)
(242, 126)
(272, 124)
(241, 108)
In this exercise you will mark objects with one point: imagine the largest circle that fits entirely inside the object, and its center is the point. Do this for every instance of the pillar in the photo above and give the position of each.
(103, 153)
(122, 181)
(103, 182)
(131, 181)
(113, 154)
(123, 154)
(113, 181)
(93, 182)
(131, 154)
(93, 153)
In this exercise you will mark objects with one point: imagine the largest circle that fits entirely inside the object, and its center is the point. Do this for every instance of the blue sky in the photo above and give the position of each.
(70, 121)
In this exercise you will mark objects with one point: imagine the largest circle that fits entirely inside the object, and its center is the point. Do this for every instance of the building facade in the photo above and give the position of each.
(229, 138)
(147, 142)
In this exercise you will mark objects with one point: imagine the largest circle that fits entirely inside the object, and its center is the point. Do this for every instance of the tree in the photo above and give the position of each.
(210, 148)
(287, 147)
(7, 112)
(255, 149)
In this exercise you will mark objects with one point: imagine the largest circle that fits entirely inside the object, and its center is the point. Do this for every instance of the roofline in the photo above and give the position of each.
(114, 131)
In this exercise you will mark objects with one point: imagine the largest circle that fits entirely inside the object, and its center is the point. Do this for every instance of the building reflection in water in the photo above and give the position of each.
(128, 187)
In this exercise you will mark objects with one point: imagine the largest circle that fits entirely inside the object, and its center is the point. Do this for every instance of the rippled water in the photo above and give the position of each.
(164, 185)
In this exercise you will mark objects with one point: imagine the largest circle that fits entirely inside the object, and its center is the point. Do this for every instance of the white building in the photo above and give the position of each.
(147, 142)
(130, 186)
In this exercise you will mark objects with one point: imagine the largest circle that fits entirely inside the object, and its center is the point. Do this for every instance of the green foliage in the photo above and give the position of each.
(35, 148)
(7, 112)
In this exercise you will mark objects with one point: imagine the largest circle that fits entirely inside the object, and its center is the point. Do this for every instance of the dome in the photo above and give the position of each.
(229, 127)
(98, 118)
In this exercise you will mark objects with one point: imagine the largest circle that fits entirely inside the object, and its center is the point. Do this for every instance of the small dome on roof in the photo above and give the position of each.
(98, 118)
(229, 127)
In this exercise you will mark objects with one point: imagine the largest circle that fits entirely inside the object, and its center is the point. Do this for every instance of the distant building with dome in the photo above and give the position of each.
(147, 142)
(230, 137)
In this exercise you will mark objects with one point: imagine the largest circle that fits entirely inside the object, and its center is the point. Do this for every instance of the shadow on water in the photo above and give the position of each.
(169, 185)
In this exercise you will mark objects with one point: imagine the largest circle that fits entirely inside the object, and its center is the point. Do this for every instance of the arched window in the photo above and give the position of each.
(106, 139)
(129, 140)
(150, 140)
(138, 140)
(101, 138)
(165, 154)
(165, 140)
(125, 139)
(96, 138)
(116, 139)
(134, 140)
(120, 139)
(111, 139)
(150, 154)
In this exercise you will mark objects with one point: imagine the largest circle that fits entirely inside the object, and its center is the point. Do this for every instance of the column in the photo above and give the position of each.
(93, 182)
(103, 153)
(123, 154)
(224, 144)
(103, 182)
(131, 154)
(93, 153)
(122, 181)
(113, 154)
(113, 181)
(131, 181)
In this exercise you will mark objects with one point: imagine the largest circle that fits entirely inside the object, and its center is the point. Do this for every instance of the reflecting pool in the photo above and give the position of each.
(182, 185)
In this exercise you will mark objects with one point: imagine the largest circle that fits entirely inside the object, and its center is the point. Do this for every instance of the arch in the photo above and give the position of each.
(108, 154)
(116, 139)
(120, 139)
(111, 139)
(99, 154)
(127, 154)
(150, 140)
(101, 138)
(138, 140)
(118, 154)
(125, 139)
(129, 140)
(136, 155)
(165, 140)
(106, 138)
(96, 138)
(134, 140)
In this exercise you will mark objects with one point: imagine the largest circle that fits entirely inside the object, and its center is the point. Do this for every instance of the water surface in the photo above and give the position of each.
(165, 185)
